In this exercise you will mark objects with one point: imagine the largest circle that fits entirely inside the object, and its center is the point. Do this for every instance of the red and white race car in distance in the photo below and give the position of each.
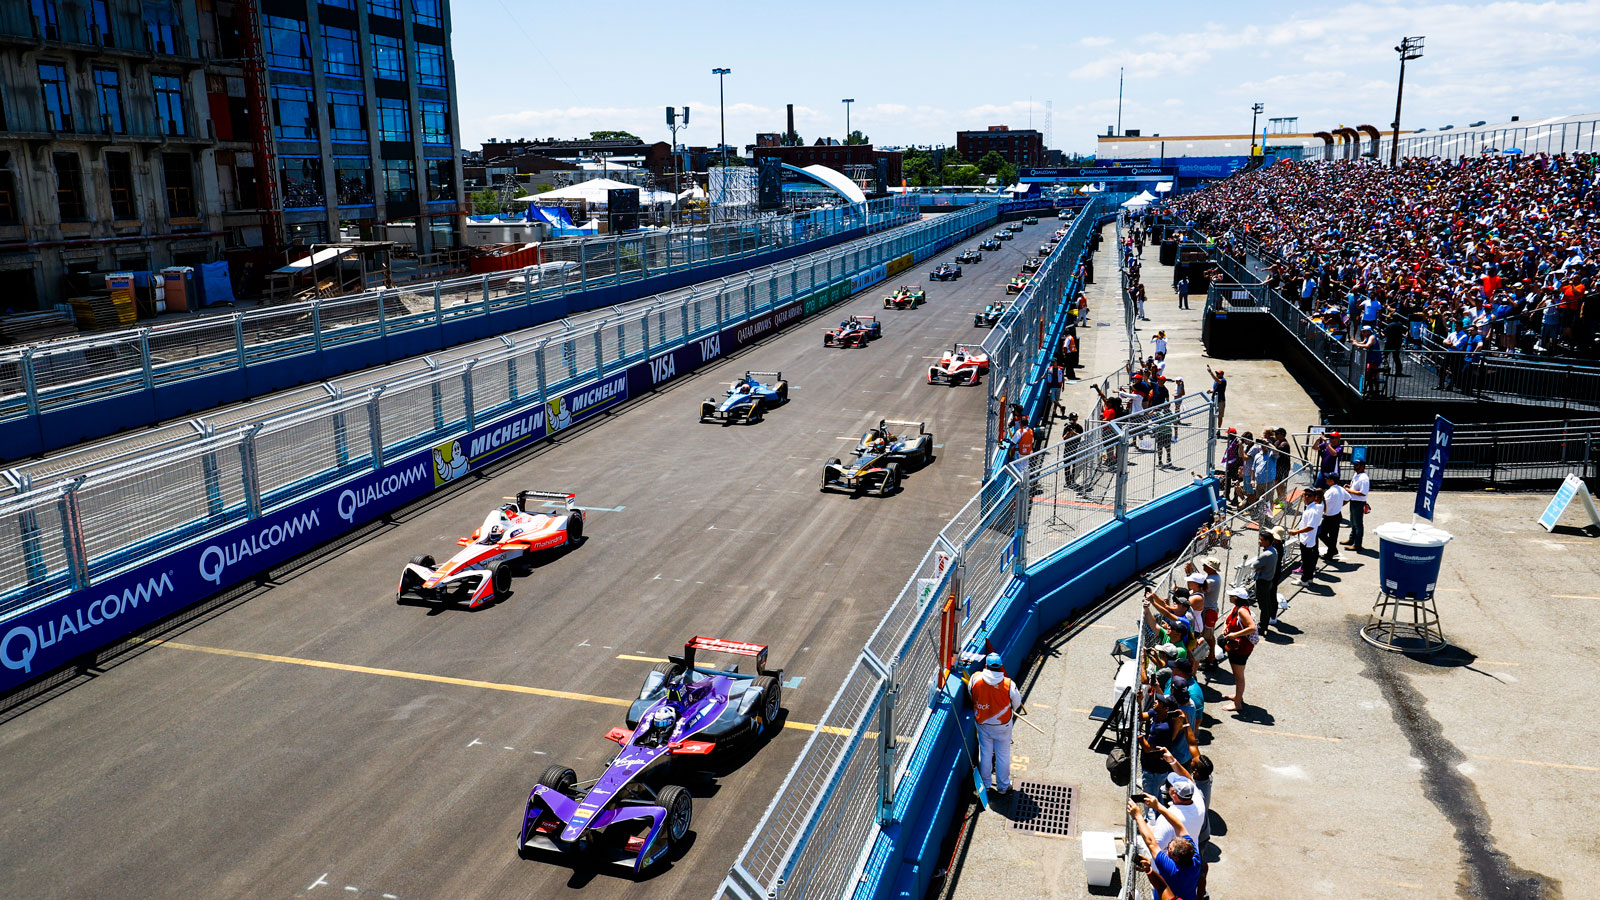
(962, 364)
(481, 572)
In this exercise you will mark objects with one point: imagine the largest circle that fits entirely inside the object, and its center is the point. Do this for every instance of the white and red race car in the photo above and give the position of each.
(481, 572)
(962, 364)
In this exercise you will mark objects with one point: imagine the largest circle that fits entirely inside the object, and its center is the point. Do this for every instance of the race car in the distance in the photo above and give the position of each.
(880, 458)
(970, 255)
(945, 272)
(1066, 215)
(1013, 226)
(746, 399)
(961, 364)
(1056, 238)
(1017, 284)
(1030, 220)
(989, 315)
(1032, 264)
(990, 244)
(1045, 249)
(1003, 235)
(907, 296)
(853, 332)
(627, 816)
(481, 572)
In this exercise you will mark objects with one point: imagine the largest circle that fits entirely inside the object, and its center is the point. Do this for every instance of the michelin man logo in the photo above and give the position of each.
(449, 462)
(557, 416)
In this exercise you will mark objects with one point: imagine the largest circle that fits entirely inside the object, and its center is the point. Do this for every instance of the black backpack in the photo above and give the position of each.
(1120, 766)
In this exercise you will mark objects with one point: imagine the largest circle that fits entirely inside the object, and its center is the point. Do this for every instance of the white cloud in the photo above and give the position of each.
(1100, 41)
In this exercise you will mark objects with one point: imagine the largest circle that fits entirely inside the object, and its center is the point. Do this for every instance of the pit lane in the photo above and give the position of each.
(321, 738)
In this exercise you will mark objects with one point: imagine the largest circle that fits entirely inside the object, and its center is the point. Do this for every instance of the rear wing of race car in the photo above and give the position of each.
(905, 426)
(775, 376)
(863, 317)
(718, 645)
(970, 348)
(561, 497)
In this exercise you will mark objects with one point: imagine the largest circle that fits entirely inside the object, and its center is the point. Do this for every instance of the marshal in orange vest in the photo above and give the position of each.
(992, 702)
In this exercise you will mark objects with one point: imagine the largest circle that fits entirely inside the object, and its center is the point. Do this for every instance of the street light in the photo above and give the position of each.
(676, 120)
(1409, 48)
(1256, 110)
(847, 119)
(722, 117)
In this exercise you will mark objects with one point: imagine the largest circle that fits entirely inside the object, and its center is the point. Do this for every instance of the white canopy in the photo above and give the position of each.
(1142, 200)
(1163, 187)
(595, 191)
(695, 192)
(838, 181)
(1090, 189)
(315, 259)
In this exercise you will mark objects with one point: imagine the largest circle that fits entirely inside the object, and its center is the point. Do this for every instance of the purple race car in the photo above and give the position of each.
(618, 816)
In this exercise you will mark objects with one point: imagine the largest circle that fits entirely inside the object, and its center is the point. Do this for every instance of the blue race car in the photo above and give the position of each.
(945, 272)
(747, 399)
(990, 244)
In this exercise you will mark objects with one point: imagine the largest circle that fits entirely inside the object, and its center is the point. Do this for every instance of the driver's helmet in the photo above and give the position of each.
(744, 387)
(510, 510)
(496, 533)
(661, 723)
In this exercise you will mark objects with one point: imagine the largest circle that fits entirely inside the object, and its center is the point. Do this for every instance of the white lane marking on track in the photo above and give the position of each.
(585, 643)
(475, 742)
(319, 882)
(738, 531)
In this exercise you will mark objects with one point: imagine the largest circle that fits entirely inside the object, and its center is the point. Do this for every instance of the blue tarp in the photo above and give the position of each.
(213, 284)
(555, 215)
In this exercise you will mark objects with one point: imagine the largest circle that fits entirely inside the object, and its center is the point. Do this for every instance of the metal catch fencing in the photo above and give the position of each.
(67, 532)
(61, 374)
(815, 836)
(1512, 454)
(1015, 343)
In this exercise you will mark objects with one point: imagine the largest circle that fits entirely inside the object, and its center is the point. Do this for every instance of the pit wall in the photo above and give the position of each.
(70, 629)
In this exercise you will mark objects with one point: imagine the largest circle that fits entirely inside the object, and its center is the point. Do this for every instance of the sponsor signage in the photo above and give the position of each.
(1433, 467)
(56, 633)
(868, 278)
(1571, 489)
(576, 405)
(1096, 174)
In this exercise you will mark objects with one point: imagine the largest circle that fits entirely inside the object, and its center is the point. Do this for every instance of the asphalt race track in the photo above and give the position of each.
(321, 740)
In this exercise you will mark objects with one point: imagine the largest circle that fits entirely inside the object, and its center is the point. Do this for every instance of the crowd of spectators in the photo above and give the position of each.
(1481, 255)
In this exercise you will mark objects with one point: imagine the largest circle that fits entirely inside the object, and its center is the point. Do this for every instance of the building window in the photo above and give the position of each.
(341, 52)
(119, 174)
(169, 104)
(69, 187)
(45, 24)
(301, 178)
(399, 181)
(388, 57)
(9, 214)
(159, 19)
(291, 110)
(97, 16)
(109, 92)
(177, 172)
(441, 174)
(57, 102)
(340, 4)
(427, 12)
(285, 44)
(304, 234)
(352, 178)
(347, 116)
(394, 119)
(430, 65)
(435, 121)
(390, 8)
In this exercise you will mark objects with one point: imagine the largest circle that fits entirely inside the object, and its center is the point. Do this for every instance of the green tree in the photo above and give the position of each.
(918, 171)
(856, 137)
(1007, 174)
(990, 163)
(485, 202)
(612, 136)
(963, 175)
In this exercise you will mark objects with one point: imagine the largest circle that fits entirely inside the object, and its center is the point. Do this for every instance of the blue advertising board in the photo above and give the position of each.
(1433, 467)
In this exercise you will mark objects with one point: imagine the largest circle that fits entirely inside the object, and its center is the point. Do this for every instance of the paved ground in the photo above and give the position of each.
(320, 739)
(1355, 772)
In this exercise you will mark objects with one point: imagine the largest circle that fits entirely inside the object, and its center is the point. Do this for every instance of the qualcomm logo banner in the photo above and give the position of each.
(63, 630)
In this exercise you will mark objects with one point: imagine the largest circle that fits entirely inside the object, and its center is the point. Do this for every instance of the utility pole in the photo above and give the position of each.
(674, 123)
(847, 119)
(1409, 48)
(722, 117)
(1119, 101)
(1255, 110)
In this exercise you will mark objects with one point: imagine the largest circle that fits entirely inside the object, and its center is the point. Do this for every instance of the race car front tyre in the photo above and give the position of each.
(424, 561)
(891, 479)
(499, 579)
(771, 702)
(560, 779)
(680, 813)
(708, 410)
(752, 414)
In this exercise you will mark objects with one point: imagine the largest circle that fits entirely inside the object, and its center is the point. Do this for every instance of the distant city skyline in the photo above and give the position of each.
(918, 73)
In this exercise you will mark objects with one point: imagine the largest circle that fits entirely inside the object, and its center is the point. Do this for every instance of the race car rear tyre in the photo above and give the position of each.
(666, 669)
(560, 779)
(783, 391)
(499, 579)
(574, 529)
(771, 702)
(425, 561)
(679, 805)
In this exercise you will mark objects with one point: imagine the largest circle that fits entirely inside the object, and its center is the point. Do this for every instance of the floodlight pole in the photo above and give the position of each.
(722, 117)
(1255, 110)
(847, 120)
(1409, 48)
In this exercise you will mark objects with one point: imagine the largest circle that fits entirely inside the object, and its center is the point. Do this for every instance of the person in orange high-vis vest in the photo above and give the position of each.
(995, 701)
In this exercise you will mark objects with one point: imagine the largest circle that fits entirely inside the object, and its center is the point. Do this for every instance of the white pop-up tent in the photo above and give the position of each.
(1164, 187)
(595, 191)
(1139, 202)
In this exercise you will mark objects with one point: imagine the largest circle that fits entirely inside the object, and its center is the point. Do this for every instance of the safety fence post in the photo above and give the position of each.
(249, 475)
(144, 359)
(72, 535)
(238, 339)
(1211, 437)
(30, 381)
(375, 424)
(583, 264)
(1119, 505)
(438, 304)
(466, 394)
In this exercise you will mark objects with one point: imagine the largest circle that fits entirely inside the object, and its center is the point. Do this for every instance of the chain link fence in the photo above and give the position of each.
(63, 535)
(813, 840)
(61, 374)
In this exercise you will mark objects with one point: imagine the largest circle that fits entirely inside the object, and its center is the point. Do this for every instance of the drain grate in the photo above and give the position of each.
(1044, 807)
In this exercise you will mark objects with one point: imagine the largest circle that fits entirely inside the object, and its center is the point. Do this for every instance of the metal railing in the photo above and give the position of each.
(1500, 455)
(1552, 138)
(67, 533)
(61, 374)
(1016, 343)
(813, 839)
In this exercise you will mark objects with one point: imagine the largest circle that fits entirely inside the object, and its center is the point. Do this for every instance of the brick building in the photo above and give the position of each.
(1022, 148)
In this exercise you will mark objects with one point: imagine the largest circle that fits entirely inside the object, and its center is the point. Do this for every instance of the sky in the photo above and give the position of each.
(920, 71)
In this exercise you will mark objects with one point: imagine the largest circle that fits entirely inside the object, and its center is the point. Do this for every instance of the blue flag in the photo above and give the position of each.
(1433, 467)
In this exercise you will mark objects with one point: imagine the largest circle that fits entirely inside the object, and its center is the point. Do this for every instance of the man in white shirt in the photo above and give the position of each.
(1159, 343)
(1360, 487)
(1334, 499)
(1306, 532)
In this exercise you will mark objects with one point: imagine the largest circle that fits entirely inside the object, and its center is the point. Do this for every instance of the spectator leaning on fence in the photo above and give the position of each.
(1306, 531)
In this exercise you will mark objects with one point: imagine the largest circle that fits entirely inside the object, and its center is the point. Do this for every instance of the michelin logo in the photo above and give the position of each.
(563, 411)
(22, 643)
(515, 430)
(449, 463)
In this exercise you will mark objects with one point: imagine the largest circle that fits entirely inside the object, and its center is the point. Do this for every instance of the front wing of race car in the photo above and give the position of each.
(550, 813)
(470, 586)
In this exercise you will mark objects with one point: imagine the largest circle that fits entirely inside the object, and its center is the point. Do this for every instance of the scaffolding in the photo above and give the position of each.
(733, 192)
